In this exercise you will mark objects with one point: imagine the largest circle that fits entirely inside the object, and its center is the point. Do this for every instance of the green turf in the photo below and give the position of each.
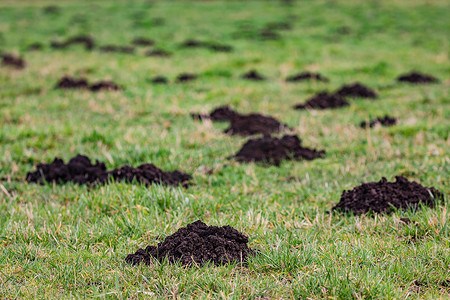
(69, 241)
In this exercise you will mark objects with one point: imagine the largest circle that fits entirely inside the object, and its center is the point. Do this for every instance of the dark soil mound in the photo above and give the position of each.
(68, 82)
(35, 47)
(222, 113)
(80, 170)
(85, 40)
(384, 121)
(384, 196)
(254, 124)
(219, 47)
(104, 85)
(9, 60)
(253, 75)
(184, 77)
(192, 43)
(141, 41)
(269, 34)
(117, 49)
(323, 100)
(158, 52)
(356, 90)
(51, 9)
(416, 77)
(197, 244)
(306, 76)
(159, 80)
(274, 150)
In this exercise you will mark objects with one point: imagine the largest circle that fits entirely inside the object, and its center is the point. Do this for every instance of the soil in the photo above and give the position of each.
(51, 9)
(222, 113)
(68, 82)
(254, 124)
(219, 47)
(356, 90)
(184, 77)
(80, 170)
(385, 197)
(159, 80)
(104, 85)
(306, 76)
(274, 150)
(416, 77)
(141, 41)
(323, 100)
(9, 60)
(192, 43)
(197, 244)
(268, 34)
(117, 49)
(383, 121)
(158, 52)
(85, 40)
(253, 75)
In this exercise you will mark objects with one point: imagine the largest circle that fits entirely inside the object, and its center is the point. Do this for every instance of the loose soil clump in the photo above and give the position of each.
(158, 52)
(80, 170)
(86, 41)
(159, 80)
(117, 49)
(254, 124)
(356, 90)
(384, 197)
(274, 150)
(185, 77)
(191, 43)
(253, 75)
(416, 77)
(383, 121)
(104, 85)
(306, 76)
(9, 60)
(323, 100)
(141, 41)
(68, 82)
(222, 113)
(197, 244)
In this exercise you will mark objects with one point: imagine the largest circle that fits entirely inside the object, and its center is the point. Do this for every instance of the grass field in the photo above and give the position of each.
(69, 241)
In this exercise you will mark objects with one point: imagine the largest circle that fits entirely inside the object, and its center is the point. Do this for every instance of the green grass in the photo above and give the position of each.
(70, 241)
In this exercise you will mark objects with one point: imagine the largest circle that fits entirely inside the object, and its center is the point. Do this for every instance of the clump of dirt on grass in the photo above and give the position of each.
(306, 76)
(323, 100)
(117, 49)
(158, 52)
(274, 150)
(416, 77)
(80, 170)
(253, 75)
(197, 244)
(356, 90)
(222, 113)
(9, 60)
(218, 47)
(383, 121)
(159, 80)
(68, 82)
(85, 40)
(385, 197)
(185, 77)
(254, 124)
(142, 41)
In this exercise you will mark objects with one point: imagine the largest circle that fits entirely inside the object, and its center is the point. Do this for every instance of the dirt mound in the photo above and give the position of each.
(306, 76)
(222, 113)
(356, 90)
(104, 85)
(254, 124)
(384, 196)
(159, 80)
(68, 82)
(197, 244)
(323, 100)
(141, 41)
(9, 60)
(273, 150)
(253, 75)
(383, 121)
(219, 47)
(268, 34)
(117, 49)
(158, 52)
(185, 77)
(85, 40)
(416, 77)
(192, 43)
(80, 170)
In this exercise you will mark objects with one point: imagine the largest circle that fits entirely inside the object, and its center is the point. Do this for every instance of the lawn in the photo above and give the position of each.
(70, 241)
